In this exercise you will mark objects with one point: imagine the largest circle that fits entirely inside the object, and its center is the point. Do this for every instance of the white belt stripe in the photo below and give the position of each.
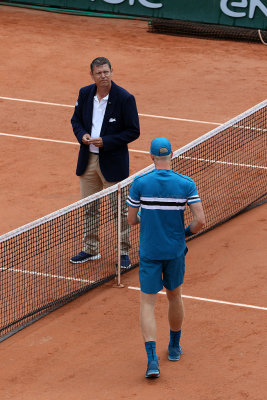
(159, 207)
(163, 199)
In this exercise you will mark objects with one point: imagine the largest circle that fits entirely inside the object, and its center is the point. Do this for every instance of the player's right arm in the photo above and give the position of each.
(133, 202)
(133, 217)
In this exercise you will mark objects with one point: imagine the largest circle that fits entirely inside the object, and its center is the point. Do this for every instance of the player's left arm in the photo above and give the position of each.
(194, 202)
(198, 221)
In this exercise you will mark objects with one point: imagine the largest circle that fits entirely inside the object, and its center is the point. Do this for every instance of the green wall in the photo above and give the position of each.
(243, 13)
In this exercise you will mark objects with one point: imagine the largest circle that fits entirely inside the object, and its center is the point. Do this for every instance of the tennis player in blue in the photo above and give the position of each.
(162, 195)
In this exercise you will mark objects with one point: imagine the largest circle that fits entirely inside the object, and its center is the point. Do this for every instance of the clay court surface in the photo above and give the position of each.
(91, 349)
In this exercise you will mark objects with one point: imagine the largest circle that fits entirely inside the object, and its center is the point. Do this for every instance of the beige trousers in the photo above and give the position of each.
(93, 181)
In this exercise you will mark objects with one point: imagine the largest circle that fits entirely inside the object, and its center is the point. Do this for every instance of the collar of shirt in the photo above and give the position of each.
(102, 101)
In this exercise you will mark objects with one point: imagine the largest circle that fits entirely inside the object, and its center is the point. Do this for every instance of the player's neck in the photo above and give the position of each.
(162, 165)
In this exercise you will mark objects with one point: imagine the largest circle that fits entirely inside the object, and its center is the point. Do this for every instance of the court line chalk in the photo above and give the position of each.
(57, 141)
(211, 300)
(140, 115)
(42, 274)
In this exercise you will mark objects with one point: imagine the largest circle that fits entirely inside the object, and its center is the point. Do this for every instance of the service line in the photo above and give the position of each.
(140, 115)
(58, 141)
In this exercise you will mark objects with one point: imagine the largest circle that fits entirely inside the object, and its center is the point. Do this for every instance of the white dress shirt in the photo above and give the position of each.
(99, 108)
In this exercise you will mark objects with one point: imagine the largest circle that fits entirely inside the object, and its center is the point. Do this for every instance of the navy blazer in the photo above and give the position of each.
(120, 127)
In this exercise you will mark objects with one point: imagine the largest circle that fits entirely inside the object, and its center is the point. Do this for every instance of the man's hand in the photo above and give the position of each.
(98, 142)
(86, 139)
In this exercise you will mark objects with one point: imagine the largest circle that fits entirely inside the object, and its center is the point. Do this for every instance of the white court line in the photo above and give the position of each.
(136, 151)
(36, 138)
(180, 119)
(37, 102)
(211, 300)
(141, 115)
(223, 162)
(58, 141)
(45, 275)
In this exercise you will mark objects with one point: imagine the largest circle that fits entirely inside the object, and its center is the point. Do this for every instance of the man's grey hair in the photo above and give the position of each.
(99, 61)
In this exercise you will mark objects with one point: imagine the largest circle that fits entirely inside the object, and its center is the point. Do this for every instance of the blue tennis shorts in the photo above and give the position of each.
(154, 274)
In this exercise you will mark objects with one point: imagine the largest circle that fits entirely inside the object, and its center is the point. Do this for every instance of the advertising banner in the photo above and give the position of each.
(243, 13)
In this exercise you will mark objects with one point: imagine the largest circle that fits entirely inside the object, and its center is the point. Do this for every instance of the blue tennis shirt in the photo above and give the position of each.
(162, 195)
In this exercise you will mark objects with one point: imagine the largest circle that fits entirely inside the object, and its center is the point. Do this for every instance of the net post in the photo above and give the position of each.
(119, 285)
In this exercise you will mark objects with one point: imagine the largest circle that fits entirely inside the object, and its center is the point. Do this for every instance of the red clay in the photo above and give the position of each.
(92, 348)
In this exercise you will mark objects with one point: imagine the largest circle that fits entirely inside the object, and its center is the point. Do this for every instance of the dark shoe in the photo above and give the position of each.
(174, 353)
(152, 369)
(125, 262)
(83, 257)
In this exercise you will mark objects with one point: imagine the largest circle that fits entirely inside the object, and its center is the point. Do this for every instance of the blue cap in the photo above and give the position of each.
(160, 147)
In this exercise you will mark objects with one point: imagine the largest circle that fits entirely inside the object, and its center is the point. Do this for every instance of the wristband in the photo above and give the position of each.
(188, 231)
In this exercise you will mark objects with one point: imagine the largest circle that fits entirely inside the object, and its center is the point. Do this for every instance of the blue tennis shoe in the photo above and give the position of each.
(174, 353)
(152, 369)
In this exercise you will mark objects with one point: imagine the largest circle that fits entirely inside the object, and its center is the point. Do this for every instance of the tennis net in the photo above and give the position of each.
(229, 167)
(207, 31)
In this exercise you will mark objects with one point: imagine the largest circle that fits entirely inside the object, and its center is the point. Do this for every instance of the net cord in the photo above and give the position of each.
(202, 138)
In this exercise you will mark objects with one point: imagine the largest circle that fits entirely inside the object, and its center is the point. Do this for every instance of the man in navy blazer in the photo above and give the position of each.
(105, 120)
